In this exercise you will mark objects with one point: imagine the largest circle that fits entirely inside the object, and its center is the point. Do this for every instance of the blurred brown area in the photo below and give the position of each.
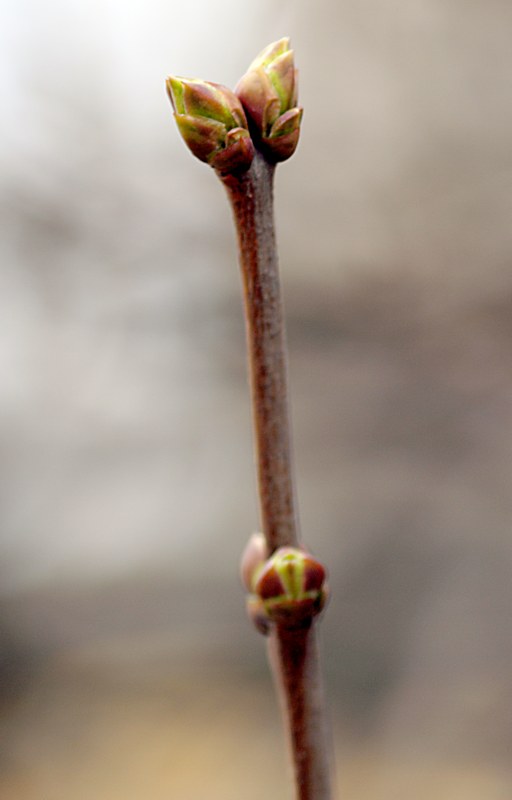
(127, 667)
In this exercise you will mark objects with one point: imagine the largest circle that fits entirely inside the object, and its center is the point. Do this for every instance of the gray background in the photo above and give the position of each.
(127, 489)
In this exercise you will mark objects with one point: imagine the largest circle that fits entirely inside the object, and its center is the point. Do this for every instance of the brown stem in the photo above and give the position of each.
(251, 198)
(295, 662)
(293, 652)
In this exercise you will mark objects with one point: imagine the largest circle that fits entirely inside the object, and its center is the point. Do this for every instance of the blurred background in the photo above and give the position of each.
(127, 667)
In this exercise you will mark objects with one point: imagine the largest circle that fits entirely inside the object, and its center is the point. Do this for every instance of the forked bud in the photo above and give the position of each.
(212, 123)
(268, 92)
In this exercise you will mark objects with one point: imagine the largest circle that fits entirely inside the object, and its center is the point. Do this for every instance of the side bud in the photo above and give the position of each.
(251, 564)
(291, 586)
(212, 123)
(253, 559)
(268, 92)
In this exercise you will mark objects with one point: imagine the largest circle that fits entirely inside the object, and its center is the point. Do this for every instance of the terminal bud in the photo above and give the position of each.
(212, 123)
(268, 92)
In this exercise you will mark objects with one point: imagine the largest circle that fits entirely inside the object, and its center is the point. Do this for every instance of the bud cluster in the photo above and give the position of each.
(222, 127)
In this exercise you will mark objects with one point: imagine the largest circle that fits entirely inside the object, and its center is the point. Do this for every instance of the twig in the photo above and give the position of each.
(242, 136)
(294, 657)
(293, 650)
(251, 197)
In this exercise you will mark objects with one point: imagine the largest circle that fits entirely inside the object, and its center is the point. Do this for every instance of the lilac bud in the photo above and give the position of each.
(253, 559)
(268, 92)
(212, 123)
(291, 586)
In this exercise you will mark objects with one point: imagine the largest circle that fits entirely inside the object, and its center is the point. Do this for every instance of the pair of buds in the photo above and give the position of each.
(222, 127)
(289, 588)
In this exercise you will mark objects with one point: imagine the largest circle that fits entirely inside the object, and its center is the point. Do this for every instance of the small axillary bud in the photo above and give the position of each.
(268, 92)
(289, 588)
(253, 560)
(212, 123)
